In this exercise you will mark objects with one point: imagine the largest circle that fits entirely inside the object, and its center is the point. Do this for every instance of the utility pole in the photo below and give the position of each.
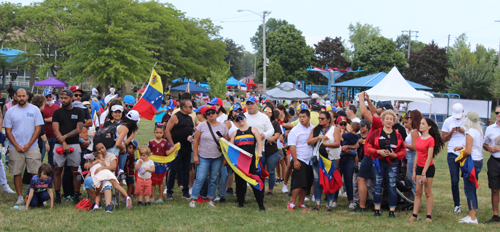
(448, 46)
(409, 40)
(498, 21)
(255, 66)
(264, 44)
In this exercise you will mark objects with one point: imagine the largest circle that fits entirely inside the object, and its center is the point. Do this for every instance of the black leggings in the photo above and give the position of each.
(241, 188)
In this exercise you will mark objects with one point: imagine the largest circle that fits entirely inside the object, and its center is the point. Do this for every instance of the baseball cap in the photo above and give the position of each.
(135, 143)
(117, 107)
(47, 92)
(341, 113)
(67, 92)
(235, 107)
(210, 108)
(316, 107)
(133, 115)
(473, 116)
(129, 99)
(302, 107)
(75, 88)
(385, 105)
(364, 122)
(341, 119)
(458, 110)
(252, 99)
(240, 114)
(171, 104)
(216, 101)
(201, 109)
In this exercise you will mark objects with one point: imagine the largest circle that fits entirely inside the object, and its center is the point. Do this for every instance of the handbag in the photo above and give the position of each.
(213, 136)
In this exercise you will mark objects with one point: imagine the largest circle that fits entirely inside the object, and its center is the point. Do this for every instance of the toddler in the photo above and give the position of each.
(144, 167)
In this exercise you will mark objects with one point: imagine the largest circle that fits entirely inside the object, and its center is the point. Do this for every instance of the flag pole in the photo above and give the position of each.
(147, 80)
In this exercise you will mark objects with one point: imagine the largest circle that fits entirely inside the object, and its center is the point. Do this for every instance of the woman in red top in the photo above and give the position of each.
(386, 147)
(430, 142)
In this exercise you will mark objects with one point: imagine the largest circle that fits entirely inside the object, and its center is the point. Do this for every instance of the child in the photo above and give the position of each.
(159, 147)
(144, 167)
(129, 166)
(105, 177)
(40, 188)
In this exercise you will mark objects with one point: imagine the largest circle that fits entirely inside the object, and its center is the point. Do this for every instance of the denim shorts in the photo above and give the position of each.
(365, 168)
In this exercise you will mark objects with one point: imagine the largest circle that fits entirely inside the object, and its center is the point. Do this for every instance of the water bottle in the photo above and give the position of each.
(79, 176)
(18, 207)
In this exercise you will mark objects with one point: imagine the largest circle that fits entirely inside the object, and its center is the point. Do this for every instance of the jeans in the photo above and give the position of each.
(225, 173)
(39, 198)
(455, 177)
(470, 188)
(389, 173)
(210, 167)
(317, 187)
(271, 161)
(410, 158)
(346, 169)
(180, 166)
(122, 160)
(50, 152)
(41, 146)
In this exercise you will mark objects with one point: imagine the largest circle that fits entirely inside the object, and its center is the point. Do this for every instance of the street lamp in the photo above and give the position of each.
(264, 13)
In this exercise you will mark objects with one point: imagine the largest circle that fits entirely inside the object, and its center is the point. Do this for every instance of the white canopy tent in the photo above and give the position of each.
(394, 87)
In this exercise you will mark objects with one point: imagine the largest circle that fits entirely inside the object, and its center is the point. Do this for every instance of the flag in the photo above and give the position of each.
(468, 168)
(95, 119)
(329, 177)
(152, 97)
(162, 165)
(240, 161)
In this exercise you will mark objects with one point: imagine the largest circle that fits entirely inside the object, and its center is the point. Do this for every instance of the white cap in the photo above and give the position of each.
(117, 107)
(458, 110)
(133, 115)
(112, 90)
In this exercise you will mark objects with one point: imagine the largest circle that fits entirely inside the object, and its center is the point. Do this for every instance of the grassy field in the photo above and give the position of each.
(175, 215)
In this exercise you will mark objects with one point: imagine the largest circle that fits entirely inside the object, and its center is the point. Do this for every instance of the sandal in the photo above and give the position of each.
(159, 201)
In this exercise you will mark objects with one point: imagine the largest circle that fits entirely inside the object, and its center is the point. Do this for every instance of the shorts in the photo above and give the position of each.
(493, 173)
(17, 160)
(88, 183)
(365, 168)
(71, 159)
(302, 178)
(105, 185)
(431, 171)
(130, 180)
(143, 186)
(281, 154)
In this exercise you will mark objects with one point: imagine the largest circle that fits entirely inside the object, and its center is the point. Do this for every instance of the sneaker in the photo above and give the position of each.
(313, 198)
(109, 209)
(352, 205)
(129, 203)
(428, 220)
(190, 191)
(96, 207)
(262, 208)
(285, 189)
(334, 204)
(57, 200)
(495, 218)
(165, 191)
(139, 203)
(315, 209)
(302, 207)
(188, 196)
(329, 210)
(392, 214)
(412, 219)
(169, 196)
(229, 191)
(377, 213)
(270, 193)
(465, 218)
(458, 209)
(469, 221)
(211, 204)
(147, 204)
(222, 200)
(217, 199)
(358, 209)
(20, 200)
(291, 205)
(7, 189)
(306, 199)
(76, 200)
(192, 204)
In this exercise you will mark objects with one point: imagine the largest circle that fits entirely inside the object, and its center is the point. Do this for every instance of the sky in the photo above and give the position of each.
(317, 19)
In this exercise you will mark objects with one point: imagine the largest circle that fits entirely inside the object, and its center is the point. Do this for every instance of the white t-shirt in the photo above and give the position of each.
(222, 118)
(94, 91)
(457, 139)
(262, 123)
(477, 144)
(147, 164)
(298, 137)
(492, 138)
(356, 119)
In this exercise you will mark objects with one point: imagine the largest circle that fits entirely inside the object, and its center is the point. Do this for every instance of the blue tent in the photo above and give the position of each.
(191, 88)
(9, 53)
(233, 82)
(185, 80)
(372, 80)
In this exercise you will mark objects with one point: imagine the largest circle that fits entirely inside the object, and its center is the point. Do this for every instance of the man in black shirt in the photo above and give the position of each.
(67, 123)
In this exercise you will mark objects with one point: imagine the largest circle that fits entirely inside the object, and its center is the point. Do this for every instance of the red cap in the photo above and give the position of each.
(219, 102)
(244, 109)
(205, 109)
(75, 88)
(341, 119)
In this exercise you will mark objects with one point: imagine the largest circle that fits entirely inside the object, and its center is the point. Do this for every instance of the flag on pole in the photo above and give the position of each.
(152, 97)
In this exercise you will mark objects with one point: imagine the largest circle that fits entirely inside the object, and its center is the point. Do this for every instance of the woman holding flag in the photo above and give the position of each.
(326, 138)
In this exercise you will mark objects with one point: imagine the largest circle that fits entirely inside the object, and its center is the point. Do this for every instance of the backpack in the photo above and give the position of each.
(107, 135)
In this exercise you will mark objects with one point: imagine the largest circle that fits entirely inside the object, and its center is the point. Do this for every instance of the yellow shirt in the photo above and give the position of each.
(314, 119)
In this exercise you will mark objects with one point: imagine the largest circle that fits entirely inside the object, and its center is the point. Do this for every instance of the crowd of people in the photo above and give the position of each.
(81, 132)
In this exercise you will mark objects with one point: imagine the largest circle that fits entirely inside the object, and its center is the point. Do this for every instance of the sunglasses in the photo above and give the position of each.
(77, 95)
(496, 113)
(208, 113)
(128, 106)
(343, 124)
(48, 96)
(322, 118)
(238, 119)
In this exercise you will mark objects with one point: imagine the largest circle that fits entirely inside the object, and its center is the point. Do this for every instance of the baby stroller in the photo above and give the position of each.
(404, 189)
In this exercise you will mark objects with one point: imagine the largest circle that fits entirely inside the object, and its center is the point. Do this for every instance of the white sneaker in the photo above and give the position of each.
(352, 205)
(458, 209)
(469, 221)
(211, 204)
(465, 218)
(96, 207)
(129, 203)
(165, 191)
(190, 191)
(334, 204)
(20, 200)
(285, 189)
(192, 204)
(306, 199)
(217, 199)
(7, 189)
(313, 198)
(344, 194)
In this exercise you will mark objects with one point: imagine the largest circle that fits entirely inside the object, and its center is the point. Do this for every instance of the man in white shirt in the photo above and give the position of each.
(454, 134)
(95, 92)
(301, 154)
(314, 95)
(258, 120)
(350, 111)
(492, 145)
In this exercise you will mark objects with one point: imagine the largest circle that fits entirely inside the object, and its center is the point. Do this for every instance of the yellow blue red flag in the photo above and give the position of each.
(152, 97)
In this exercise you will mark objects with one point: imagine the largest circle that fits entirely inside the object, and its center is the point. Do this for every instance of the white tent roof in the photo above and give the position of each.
(395, 87)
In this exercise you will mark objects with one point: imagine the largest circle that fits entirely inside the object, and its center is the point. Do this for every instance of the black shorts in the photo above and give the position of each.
(365, 168)
(493, 173)
(130, 180)
(430, 171)
(302, 178)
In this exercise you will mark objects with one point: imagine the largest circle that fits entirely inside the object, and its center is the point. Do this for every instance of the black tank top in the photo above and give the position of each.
(182, 130)
(245, 140)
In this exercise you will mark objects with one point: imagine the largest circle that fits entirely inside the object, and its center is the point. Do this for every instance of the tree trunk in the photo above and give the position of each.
(32, 75)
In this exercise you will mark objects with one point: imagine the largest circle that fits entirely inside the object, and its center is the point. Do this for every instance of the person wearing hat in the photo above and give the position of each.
(160, 112)
(315, 109)
(128, 103)
(48, 112)
(170, 109)
(258, 120)
(221, 111)
(77, 102)
(67, 123)
(454, 134)
(492, 145)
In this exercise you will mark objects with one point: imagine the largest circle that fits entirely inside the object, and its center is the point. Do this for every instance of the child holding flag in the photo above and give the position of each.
(159, 147)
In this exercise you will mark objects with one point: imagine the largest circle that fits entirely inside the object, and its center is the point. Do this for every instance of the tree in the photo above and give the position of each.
(233, 58)
(272, 25)
(402, 45)
(217, 82)
(329, 52)
(429, 66)
(9, 21)
(358, 33)
(248, 63)
(378, 54)
(274, 74)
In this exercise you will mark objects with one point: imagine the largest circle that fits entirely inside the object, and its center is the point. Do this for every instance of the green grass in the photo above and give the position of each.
(176, 215)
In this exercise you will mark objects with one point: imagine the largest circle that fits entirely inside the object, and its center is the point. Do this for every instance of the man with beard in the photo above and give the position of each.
(23, 123)
(67, 123)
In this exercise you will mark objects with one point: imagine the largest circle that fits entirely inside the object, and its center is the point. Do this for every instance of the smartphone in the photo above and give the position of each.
(458, 128)
(420, 181)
